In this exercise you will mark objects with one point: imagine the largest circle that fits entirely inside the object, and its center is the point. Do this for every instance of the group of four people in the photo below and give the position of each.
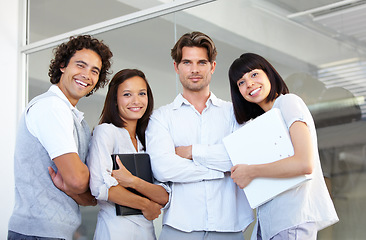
(196, 184)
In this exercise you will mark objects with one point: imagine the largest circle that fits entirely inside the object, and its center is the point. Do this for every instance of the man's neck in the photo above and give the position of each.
(64, 91)
(197, 99)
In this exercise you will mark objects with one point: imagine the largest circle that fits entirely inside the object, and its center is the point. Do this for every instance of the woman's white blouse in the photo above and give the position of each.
(108, 139)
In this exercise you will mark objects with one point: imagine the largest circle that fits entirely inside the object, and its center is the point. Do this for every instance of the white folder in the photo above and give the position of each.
(263, 140)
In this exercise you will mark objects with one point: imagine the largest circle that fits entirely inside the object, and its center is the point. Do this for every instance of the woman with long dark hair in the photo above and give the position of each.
(125, 116)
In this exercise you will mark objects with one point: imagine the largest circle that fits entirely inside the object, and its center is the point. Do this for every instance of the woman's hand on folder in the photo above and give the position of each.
(240, 173)
(123, 176)
(156, 193)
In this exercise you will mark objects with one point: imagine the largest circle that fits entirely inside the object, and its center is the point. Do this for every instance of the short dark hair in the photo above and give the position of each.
(247, 62)
(194, 39)
(65, 51)
(110, 112)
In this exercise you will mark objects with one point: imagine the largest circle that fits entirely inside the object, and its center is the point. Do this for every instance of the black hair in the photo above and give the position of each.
(247, 62)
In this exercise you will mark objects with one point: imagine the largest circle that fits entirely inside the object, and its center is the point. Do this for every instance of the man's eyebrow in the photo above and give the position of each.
(96, 68)
(82, 62)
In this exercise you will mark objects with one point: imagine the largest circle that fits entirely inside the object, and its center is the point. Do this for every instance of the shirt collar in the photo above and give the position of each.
(180, 100)
(56, 90)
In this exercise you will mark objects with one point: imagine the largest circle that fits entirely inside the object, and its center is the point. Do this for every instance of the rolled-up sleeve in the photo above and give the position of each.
(212, 156)
(168, 189)
(100, 163)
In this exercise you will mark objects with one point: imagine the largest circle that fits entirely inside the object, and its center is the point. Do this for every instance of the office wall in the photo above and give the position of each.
(8, 99)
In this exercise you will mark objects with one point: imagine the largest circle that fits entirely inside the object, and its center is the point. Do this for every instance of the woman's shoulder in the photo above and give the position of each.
(289, 96)
(105, 128)
(109, 132)
(290, 99)
(293, 108)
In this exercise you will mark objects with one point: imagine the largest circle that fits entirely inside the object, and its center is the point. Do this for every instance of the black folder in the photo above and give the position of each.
(139, 165)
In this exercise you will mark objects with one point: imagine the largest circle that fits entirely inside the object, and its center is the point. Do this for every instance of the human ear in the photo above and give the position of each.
(62, 67)
(176, 67)
(213, 66)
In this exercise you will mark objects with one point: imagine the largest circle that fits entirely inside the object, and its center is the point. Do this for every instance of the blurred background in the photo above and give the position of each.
(318, 47)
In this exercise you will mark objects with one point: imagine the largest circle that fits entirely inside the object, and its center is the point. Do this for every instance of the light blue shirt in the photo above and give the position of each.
(203, 197)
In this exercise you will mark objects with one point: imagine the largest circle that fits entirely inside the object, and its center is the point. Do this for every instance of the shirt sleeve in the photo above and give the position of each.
(168, 189)
(50, 120)
(293, 109)
(215, 156)
(212, 156)
(166, 165)
(100, 163)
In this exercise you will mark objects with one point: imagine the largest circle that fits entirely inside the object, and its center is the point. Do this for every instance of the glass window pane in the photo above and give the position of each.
(48, 18)
(38, 66)
(139, 46)
(326, 69)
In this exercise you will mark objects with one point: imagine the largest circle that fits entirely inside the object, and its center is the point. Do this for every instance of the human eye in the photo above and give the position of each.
(204, 62)
(126, 94)
(143, 93)
(95, 71)
(80, 64)
(254, 74)
(240, 82)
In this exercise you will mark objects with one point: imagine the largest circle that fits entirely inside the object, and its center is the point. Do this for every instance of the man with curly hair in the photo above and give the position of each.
(51, 178)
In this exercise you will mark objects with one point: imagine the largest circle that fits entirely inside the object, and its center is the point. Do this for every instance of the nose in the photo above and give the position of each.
(135, 99)
(194, 68)
(86, 74)
(249, 82)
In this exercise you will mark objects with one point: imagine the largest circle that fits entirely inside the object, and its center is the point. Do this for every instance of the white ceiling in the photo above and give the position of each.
(346, 21)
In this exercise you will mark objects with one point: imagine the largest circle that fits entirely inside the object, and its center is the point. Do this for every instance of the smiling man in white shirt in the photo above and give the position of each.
(52, 143)
(184, 140)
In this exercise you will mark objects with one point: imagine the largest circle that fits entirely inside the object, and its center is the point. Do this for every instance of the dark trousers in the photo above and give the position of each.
(17, 236)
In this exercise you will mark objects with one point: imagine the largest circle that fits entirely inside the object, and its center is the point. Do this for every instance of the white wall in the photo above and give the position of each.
(9, 103)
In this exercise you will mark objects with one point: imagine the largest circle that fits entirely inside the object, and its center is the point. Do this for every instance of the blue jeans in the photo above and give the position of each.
(17, 236)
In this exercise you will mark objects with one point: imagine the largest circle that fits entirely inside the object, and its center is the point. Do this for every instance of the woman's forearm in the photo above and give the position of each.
(154, 192)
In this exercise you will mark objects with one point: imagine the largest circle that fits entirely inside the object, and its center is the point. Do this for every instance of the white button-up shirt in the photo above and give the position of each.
(203, 197)
(108, 139)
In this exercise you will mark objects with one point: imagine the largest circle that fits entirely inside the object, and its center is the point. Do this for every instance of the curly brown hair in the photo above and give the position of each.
(64, 52)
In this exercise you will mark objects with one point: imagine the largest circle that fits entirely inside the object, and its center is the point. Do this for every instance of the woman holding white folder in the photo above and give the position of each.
(126, 112)
(299, 213)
